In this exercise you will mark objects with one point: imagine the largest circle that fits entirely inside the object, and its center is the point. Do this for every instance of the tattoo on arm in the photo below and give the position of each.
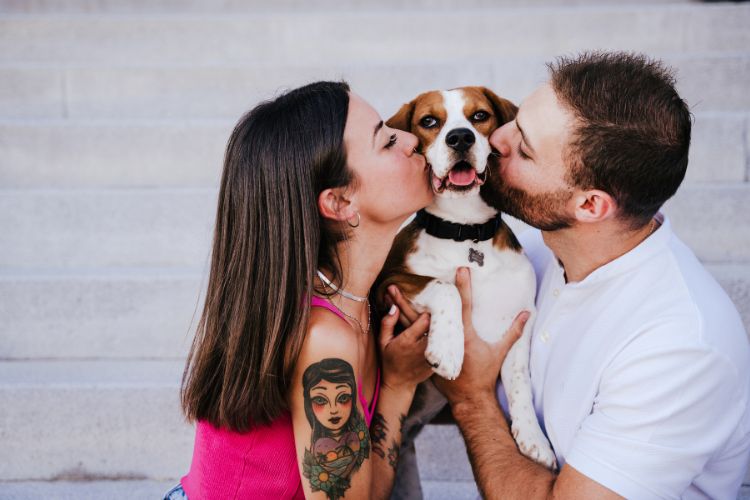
(340, 441)
(378, 433)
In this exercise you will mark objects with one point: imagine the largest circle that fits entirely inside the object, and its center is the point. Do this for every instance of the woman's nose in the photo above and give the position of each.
(499, 139)
(410, 142)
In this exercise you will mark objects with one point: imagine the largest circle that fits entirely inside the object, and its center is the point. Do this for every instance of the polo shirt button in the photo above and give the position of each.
(545, 337)
(555, 292)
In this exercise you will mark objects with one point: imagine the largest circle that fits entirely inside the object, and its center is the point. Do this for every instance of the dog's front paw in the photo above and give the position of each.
(445, 355)
(534, 445)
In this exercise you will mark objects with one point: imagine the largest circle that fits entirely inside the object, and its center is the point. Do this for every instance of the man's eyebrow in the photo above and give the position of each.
(375, 132)
(525, 139)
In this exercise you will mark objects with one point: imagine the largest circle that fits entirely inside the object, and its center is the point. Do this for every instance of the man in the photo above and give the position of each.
(640, 363)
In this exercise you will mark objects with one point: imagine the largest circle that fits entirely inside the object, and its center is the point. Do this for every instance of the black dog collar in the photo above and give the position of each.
(441, 228)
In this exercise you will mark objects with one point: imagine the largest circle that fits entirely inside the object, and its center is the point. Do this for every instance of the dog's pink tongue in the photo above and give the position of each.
(462, 177)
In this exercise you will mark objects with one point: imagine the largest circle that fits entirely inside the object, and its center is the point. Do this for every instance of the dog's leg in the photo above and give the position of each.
(516, 380)
(445, 344)
(427, 403)
(407, 485)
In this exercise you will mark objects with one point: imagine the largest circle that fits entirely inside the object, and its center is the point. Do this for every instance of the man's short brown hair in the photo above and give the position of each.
(632, 131)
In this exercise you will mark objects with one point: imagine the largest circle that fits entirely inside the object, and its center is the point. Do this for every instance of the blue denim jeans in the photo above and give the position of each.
(176, 493)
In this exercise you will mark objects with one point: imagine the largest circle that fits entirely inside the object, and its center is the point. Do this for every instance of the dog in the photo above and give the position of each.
(460, 228)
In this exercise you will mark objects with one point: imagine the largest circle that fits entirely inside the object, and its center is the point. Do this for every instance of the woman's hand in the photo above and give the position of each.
(482, 360)
(404, 364)
(407, 314)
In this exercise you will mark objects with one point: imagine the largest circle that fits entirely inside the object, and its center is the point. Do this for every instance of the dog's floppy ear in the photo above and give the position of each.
(402, 119)
(503, 108)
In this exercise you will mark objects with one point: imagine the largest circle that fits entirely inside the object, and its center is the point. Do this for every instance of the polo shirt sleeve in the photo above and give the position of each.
(662, 409)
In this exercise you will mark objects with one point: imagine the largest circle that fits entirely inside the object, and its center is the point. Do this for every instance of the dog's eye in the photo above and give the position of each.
(428, 122)
(480, 116)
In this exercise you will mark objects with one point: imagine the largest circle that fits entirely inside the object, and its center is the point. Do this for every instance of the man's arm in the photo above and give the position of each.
(500, 470)
(493, 453)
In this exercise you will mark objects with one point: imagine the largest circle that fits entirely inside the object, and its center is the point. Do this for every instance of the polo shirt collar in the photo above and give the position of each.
(645, 250)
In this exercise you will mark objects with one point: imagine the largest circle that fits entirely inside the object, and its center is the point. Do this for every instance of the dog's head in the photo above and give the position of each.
(453, 127)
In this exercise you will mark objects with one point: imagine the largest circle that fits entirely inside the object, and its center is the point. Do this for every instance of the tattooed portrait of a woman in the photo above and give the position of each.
(340, 441)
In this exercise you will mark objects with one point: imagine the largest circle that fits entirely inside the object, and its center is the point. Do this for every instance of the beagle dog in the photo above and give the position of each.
(460, 228)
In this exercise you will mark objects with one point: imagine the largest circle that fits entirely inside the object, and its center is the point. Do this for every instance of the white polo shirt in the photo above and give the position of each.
(641, 372)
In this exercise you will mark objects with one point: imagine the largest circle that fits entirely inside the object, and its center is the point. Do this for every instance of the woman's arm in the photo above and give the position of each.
(337, 454)
(404, 366)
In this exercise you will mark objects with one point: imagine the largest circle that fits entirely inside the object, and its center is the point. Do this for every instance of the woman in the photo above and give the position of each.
(283, 378)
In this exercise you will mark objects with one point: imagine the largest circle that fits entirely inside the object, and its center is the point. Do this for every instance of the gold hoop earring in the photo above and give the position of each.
(354, 225)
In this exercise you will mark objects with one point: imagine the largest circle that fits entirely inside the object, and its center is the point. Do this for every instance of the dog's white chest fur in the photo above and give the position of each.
(501, 287)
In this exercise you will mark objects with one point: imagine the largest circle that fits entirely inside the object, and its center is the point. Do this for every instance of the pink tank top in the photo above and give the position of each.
(259, 464)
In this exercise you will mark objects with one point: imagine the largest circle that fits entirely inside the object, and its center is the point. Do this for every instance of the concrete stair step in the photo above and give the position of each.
(88, 427)
(87, 420)
(84, 428)
(709, 82)
(96, 154)
(148, 314)
(78, 230)
(245, 6)
(375, 36)
(115, 490)
(85, 490)
(139, 314)
(74, 230)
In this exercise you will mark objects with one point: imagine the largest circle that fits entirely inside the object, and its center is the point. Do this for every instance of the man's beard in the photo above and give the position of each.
(544, 211)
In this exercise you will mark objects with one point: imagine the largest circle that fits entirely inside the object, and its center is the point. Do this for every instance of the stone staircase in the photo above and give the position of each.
(113, 119)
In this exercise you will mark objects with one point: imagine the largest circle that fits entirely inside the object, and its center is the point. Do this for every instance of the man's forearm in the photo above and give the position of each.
(499, 468)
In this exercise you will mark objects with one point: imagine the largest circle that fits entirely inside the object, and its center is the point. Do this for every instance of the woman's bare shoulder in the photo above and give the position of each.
(328, 335)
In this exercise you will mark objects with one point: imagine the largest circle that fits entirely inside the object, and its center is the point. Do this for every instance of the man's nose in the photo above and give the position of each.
(460, 139)
(499, 139)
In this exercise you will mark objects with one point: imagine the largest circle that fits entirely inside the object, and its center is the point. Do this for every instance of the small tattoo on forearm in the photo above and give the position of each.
(378, 431)
(393, 455)
(378, 436)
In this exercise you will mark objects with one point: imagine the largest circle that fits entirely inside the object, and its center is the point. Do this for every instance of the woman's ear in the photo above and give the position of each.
(335, 204)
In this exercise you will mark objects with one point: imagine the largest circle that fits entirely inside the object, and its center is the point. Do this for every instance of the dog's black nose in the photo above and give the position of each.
(460, 139)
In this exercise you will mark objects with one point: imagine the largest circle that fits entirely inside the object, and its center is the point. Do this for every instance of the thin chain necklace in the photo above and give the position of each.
(351, 296)
(336, 289)
(359, 324)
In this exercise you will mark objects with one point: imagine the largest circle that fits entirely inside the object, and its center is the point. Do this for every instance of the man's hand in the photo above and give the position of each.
(482, 360)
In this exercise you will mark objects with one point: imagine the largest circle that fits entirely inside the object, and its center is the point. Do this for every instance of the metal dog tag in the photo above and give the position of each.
(476, 256)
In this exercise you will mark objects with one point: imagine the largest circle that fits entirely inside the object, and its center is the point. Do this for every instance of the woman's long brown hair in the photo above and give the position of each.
(268, 241)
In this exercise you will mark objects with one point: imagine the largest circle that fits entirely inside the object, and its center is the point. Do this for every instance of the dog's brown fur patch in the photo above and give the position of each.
(395, 272)
(505, 239)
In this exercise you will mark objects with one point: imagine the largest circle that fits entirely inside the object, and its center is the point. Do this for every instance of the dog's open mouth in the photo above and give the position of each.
(462, 177)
